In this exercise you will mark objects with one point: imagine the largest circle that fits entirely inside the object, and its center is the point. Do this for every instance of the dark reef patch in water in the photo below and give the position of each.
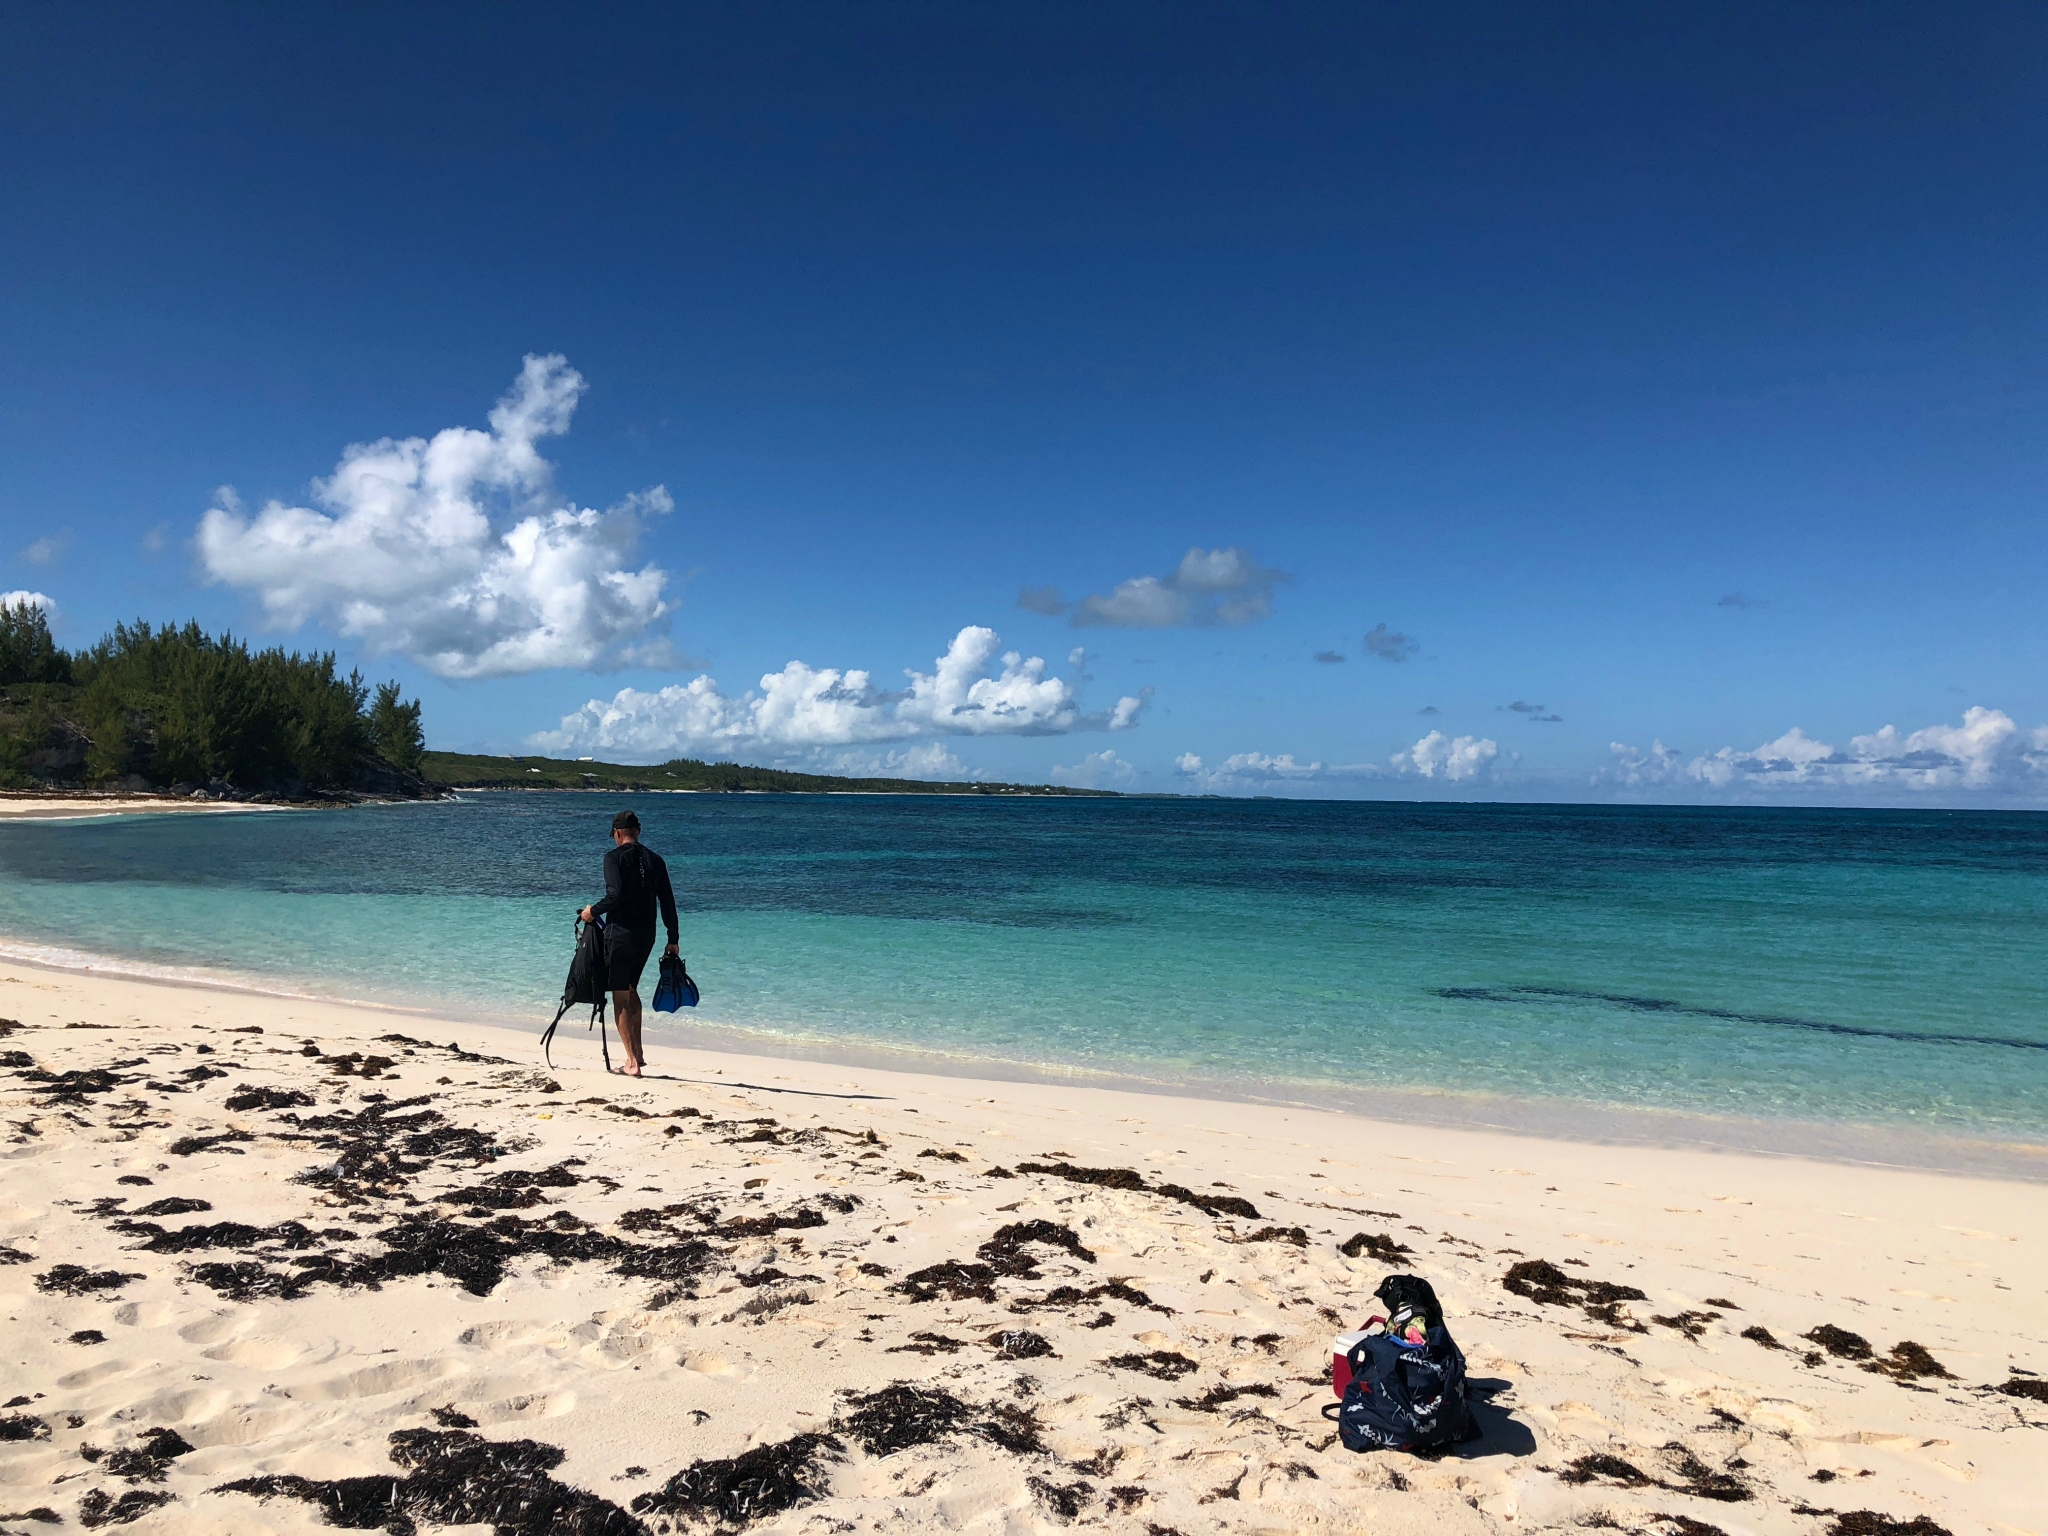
(1734, 1016)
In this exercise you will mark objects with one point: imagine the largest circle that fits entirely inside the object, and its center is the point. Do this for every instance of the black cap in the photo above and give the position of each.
(625, 821)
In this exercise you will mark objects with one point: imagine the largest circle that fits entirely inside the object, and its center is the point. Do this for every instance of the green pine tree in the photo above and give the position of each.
(395, 728)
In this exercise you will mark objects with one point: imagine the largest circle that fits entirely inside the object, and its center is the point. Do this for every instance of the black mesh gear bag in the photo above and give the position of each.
(586, 984)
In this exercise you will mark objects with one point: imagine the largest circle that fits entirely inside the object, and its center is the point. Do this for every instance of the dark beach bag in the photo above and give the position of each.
(1405, 1397)
(675, 989)
(586, 985)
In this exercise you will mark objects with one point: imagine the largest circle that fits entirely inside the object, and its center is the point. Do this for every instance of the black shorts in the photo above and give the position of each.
(625, 957)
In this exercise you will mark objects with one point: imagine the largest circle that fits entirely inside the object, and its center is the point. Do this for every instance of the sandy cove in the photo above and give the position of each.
(21, 807)
(470, 1293)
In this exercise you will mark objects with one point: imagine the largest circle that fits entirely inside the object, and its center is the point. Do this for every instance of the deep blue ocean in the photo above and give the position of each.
(1830, 972)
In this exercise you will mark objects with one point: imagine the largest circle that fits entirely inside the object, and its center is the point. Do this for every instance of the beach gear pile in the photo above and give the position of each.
(1401, 1379)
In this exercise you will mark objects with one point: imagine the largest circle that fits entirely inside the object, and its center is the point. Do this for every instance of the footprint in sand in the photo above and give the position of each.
(378, 1380)
(262, 1354)
(620, 1349)
(526, 1405)
(206, 1419)
(139, 1314)
(211, 1330)
(711, 1365)
(105, 1370)
(500, 1335)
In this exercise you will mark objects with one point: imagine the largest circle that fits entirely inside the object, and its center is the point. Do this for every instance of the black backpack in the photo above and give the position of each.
(1406, 1396)
(586, 984)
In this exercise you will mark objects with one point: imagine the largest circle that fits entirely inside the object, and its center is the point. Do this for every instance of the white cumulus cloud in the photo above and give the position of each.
(40, 600)
(1988, 753)
(1209, 587)
(457, 551)
(1097, 770)
(1465, 759)
(975, 689)
(1659, 765)
(1265, 773)
(925, 760)
(1456, 759)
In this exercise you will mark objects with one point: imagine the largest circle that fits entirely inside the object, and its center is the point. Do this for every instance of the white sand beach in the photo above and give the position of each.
(40, 807)
(850, 1284)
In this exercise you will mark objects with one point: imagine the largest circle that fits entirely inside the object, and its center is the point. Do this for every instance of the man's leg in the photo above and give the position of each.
(626, 1009)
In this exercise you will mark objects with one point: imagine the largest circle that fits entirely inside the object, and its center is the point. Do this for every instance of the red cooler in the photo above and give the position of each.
(1340, 1357)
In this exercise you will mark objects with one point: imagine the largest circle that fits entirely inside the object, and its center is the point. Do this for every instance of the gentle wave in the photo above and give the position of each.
(57, 957)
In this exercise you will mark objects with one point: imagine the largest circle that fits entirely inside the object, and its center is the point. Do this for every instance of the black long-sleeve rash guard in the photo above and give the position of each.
(634, 880)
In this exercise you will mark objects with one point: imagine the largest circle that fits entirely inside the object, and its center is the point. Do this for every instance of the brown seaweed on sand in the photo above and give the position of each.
(1217, 1397)
(1064, 1503)
(1130, 1179)
(77, 1280)
(186, 1146)
(1298, 1236)
(1909, 1361)
(1073, 1296)
(75, 1087)
(1541, 1281)
(1839, 1342)
(1868, 1522)
(1005, 1254)
(1693, 1477)
(765, 1480)
(454, 1477)
(1374, 1245)
(1602, 1467)
(1019, 1344)
(147, 1461)
(1691, 1323)
(951, 1280)
(923, 1343)
(1166, 1365)
(98, 1508)
(769, 1479)
(249, 1096)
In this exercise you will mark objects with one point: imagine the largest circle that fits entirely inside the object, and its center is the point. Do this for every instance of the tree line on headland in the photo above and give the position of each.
(180, 710)
(177, 708)
(455, 770)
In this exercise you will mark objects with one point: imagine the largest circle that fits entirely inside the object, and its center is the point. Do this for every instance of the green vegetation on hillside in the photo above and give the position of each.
(175, 708)
(158, 708)
(452, 770)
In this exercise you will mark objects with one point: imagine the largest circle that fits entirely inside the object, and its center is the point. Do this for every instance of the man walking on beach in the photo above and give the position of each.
(635, 879)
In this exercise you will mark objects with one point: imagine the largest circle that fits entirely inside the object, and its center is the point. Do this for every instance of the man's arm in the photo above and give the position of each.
(610, 903)
(666, 895)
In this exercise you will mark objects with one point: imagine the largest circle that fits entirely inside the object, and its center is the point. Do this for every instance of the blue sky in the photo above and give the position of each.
(1674, 372)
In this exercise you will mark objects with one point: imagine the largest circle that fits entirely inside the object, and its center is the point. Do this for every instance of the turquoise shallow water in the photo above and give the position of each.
(1881, 970)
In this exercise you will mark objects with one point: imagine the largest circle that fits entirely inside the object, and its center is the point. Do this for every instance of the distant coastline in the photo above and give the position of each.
(456, 770)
